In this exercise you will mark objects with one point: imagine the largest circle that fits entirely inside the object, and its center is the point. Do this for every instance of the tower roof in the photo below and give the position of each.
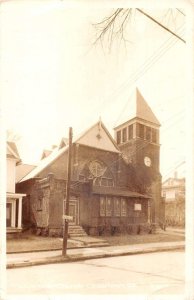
(138, 108)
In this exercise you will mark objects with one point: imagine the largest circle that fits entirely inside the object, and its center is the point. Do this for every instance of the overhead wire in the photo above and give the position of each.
(158, 53)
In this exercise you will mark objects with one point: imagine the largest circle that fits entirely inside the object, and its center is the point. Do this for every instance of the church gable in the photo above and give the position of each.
(98, 137)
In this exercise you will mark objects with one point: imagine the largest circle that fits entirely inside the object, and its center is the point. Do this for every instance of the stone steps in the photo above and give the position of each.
(76, 230)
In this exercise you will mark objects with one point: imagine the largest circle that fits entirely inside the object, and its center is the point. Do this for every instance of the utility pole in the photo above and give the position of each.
(66, 207)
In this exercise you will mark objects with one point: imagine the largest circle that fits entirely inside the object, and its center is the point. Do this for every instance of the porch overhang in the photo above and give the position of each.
(117, 191)
(14, 211)
(15, 195)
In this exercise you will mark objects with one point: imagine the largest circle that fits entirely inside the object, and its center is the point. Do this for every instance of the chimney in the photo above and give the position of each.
(175, 175)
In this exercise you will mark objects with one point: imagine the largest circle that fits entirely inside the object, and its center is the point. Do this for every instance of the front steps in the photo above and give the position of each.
(76, 231)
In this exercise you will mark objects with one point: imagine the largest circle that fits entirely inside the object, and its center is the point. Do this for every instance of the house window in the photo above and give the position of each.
(117, 207)
(97, 181)
(130, 132)
(8, 214)
(108, 206)
(137, 207)
(123, 207)
(103, 181)
(124, 133)
(118, 137)
(102, 206)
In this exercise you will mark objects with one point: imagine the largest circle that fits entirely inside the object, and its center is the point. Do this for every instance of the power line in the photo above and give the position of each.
(164, 27)
(173, 168)
(145, 66)
(180, 11)
(152, 59)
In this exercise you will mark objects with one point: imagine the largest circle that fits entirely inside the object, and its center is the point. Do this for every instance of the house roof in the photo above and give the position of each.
(22, 170)
(138, 108)
(45, 163)
(46, 153)
(12, 151)
(96, 136)
(64, 142)
(115, 191)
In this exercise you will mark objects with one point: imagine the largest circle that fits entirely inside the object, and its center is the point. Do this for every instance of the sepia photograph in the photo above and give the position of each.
(96, 130)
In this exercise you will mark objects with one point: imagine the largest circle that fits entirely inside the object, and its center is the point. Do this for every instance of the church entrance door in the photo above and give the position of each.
(74, 211)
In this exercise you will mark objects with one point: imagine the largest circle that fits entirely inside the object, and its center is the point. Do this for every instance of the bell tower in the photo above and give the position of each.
(138, 137)
(138, 140)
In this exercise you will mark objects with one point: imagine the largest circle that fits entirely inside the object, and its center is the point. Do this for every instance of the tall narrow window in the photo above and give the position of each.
(123, 207)
(124, 133)
(141, 131)
(108, 207)
(154, 135)
(118, 137)
(117, 207)
(102, 206)
(130, 132)
(148, 133)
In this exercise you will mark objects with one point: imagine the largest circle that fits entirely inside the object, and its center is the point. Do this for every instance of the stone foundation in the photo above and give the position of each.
(131, 229)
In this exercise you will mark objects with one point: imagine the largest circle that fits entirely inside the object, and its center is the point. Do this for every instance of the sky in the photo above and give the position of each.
(55, 77)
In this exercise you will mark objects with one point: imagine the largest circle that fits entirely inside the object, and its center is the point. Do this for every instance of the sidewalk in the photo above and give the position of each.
(48, 257)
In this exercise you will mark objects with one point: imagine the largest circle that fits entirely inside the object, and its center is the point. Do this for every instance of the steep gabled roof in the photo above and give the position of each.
(45, 163)
(138, 108)
(46, 153)
(64, 142)
(22, 170)
(12, 151)
(96, 136)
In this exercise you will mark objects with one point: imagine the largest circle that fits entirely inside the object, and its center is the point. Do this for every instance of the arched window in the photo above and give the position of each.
(98, 172)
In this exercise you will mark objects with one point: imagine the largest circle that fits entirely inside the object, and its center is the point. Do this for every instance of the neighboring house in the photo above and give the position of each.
(115, 184)
(14, 200)
(22, 170)
(173, 192)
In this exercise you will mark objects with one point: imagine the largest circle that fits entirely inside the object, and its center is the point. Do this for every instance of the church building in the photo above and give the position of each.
(115, 182)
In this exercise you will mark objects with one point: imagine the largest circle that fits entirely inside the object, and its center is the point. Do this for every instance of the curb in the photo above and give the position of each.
(80, 257)
(57, 249)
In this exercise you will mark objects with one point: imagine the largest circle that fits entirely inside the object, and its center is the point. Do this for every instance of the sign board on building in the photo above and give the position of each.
(137, 206)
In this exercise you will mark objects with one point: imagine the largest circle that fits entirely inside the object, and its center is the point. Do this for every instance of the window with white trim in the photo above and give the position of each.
(123, 207)
(108, 206)
(117, 207)
(102, 206)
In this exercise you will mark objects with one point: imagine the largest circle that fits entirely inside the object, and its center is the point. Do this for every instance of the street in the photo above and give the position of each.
(152, 273)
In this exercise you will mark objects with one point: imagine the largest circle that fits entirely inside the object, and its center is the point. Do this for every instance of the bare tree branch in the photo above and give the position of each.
(115, 25)
(108, 25)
